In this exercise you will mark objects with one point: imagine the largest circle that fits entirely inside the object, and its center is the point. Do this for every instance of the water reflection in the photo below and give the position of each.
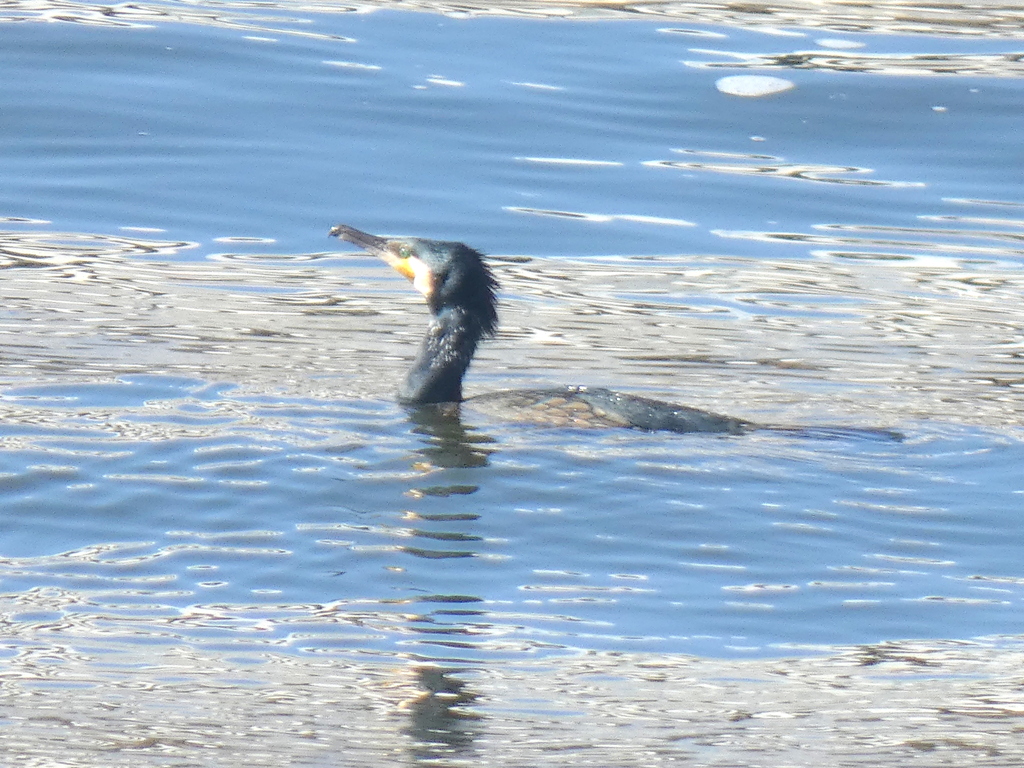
(912, 243)
(601, 218)
(449, 443)
(206, 707)
(240, 16)
(43, 248)
(962, 65)
(442, 728)
(896, 17)
(767, 165)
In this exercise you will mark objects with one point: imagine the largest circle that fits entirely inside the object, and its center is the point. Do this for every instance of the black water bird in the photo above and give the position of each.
(460, 292)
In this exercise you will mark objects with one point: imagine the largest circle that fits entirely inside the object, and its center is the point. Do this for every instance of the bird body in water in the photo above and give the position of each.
(461, 294)
(460, 291)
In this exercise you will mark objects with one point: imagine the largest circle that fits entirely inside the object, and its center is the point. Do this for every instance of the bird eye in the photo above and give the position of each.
(404, 251)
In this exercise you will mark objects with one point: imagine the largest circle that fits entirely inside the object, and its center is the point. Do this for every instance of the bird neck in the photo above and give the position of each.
(445, 354)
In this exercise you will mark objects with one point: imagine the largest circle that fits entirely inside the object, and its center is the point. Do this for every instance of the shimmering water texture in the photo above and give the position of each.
(914, 704)
(522, 136)
(198, 439)
(174, 511)
(223, 543)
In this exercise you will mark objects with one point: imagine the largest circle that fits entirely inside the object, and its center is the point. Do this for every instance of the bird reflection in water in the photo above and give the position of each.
(440, 725)
(449, 443)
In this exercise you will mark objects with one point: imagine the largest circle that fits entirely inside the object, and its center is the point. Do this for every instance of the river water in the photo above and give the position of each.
(211, 496)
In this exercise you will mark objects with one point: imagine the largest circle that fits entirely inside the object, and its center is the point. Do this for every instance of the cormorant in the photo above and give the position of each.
(460, 292)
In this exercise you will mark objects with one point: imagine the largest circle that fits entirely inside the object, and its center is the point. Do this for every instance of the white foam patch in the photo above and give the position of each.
(753, 85)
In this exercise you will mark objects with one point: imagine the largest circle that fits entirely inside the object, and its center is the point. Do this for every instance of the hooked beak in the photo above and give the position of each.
(408, 266)
(375, 246)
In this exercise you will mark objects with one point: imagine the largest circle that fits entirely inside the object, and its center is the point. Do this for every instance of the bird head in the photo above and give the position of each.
(449, 274)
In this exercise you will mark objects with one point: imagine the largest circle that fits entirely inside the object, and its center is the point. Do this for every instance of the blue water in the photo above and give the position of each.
(204, 132)
(212, 457)
(278, 521)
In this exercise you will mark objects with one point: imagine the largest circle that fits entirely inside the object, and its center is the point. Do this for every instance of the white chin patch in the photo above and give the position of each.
(422, 280)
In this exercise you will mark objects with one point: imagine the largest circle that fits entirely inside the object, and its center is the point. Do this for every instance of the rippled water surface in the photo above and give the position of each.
(207, 488)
